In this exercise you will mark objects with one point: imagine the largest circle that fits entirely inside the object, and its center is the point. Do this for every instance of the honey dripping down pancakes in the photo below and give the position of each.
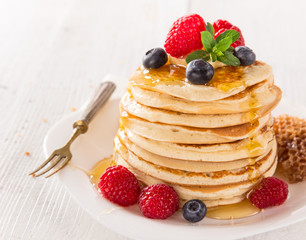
(212, 142)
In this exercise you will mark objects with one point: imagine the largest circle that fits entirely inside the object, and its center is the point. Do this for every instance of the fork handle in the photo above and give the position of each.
(98, 99)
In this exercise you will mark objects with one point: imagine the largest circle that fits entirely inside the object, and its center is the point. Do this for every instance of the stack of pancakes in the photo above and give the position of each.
(212, 142)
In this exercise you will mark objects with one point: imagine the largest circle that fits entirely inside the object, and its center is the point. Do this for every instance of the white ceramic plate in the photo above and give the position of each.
(97, 144)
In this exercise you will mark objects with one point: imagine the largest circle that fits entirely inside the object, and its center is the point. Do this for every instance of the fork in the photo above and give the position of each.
(60, 157)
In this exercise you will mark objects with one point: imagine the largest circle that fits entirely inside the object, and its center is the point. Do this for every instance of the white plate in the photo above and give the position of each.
(97, 144)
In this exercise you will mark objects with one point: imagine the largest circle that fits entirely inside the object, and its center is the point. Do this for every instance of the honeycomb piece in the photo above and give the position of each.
(291, 138)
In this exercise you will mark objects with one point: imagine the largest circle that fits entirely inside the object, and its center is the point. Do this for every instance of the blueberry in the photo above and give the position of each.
(199, 71)
(194, 210)
(245, 55)
(155, 58)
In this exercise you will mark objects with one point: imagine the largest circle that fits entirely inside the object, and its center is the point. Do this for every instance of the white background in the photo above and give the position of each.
(54, 52)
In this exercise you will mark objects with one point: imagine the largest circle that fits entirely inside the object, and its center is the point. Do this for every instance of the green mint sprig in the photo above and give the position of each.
(218, 49)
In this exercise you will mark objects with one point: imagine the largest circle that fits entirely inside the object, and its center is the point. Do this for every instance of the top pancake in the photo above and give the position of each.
(253, 97)
(227, 81)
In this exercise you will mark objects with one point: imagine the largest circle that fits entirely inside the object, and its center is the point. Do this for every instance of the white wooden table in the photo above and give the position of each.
(54, 52)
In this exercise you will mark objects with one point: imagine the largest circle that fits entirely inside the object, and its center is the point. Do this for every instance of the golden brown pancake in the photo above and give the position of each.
(227, 81)
(223, 152)
(252, 98)
(190, 135)
(129, 104)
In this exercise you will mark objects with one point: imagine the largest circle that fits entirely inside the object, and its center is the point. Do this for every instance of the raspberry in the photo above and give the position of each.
(271, 192)
(222, 25)
(119, 185)
(185, 35)
(158, 201)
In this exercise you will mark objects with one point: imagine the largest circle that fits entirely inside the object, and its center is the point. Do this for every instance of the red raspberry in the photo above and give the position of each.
(222, 25)
(158, 201)
(185, 35)
(271, 192)
(119, 185)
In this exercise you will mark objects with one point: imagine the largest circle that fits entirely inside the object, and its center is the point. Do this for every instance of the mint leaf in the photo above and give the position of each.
(229, 33)
(216, 51)
(229, 59)
(214, 57)
(208, 41)
(206, 58)
(224, 44)
(198, 54)
(210, 28)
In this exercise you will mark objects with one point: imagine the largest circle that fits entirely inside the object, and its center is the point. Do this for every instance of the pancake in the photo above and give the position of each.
(249, 147)
(253, 97)
(221, 195)
(190, 135)
(197, 179)
(186, 165)
(193, 120)
(213, 196)
(227, 81)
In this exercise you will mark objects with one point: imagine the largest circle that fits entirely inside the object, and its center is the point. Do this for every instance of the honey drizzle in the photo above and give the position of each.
(98, 169)
(168, 74)
(254, 147)
(225, 78)
(253, 102)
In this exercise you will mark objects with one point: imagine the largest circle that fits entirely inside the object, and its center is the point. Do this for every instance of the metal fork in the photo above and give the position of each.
(60, 157)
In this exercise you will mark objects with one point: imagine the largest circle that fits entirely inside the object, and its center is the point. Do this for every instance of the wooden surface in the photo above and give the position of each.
(54, 52)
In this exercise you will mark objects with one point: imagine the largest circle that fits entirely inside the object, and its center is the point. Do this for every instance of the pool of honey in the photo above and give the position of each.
(98, 169)
(233, 211)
